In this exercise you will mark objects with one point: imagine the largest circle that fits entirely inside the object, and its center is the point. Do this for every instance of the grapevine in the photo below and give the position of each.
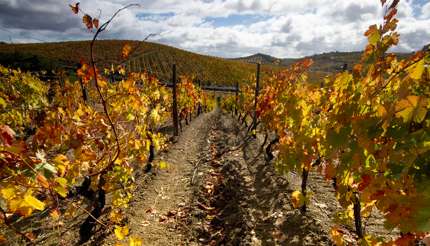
(68, 160)
(366, 130)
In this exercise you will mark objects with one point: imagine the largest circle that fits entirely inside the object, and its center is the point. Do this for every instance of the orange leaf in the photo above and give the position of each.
(7, 135)
(88, 21)
(30, 235)
(75, 8)
(96, 23)
(126, 49)
(307, 63)
(55, 214)
(337, 236)
(42, 180)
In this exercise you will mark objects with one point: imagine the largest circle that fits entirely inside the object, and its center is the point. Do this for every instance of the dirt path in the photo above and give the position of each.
(244, 201)
(241, 199)
(160, 205)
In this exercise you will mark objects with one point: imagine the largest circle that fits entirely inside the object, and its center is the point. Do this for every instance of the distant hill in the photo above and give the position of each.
(145, 56)
(323, 63)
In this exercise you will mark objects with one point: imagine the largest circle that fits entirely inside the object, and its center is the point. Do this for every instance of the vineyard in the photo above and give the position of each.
(144, 56)
(135, 149)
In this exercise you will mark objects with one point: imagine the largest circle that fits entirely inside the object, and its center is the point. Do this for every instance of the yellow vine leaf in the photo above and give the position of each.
(417, 70)
(3, 103)
(163, 165)
(102, 83)
(61, 187)
(121, 232)
(33, 201)
(373, 35)
(297, 199)
(148, 144)
(155, 117)
(8, 192)
(61, 162)
(130, 117)
(412, 108)
(135, 241)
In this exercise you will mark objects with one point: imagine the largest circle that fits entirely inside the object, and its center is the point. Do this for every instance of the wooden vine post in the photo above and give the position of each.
(257, 90)
(305, 174)
(199, 106)
(357, 214)
(141, 68)
(83, 88)
(236, 98)
(84, 91)
(175, 104)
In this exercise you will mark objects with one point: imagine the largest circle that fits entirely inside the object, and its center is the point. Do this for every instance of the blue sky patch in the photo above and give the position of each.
(150, 16)
(236, 19)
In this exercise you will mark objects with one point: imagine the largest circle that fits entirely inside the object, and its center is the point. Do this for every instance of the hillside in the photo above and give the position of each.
(323, 63)
(158, 59)
(263, 59)
(152, 57)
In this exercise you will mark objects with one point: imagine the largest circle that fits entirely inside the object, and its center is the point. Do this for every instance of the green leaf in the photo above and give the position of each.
(47, 169)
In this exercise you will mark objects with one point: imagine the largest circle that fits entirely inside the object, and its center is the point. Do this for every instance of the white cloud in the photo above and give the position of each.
(425, 11)
(289, 28)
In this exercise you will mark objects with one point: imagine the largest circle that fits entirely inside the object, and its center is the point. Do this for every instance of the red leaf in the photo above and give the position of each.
(75, 8)
(7, 135)
(405, 240)
(365, 181)
(307, 63)
(394, 4)
(390, 15)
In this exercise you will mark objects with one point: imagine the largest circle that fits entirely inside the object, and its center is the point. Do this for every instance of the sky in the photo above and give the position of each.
(225, 28)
